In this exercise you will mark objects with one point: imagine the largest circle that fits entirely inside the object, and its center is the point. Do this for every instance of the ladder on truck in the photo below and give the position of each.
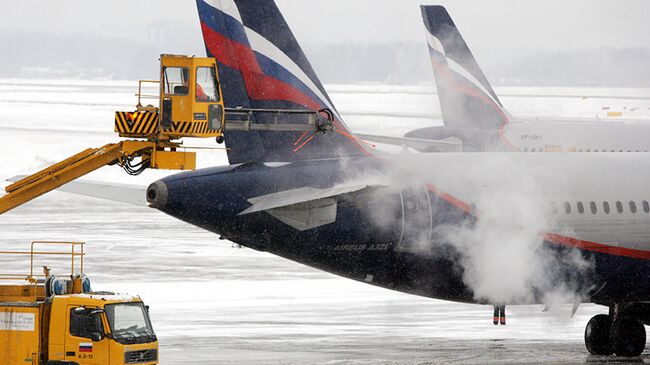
(182, 112)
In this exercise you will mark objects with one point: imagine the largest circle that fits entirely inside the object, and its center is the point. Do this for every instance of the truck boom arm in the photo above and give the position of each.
(70, 169)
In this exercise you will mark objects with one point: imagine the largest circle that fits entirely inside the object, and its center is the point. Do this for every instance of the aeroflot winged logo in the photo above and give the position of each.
(261, 65)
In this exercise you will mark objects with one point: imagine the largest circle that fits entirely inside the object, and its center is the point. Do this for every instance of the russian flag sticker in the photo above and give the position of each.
(85, 347)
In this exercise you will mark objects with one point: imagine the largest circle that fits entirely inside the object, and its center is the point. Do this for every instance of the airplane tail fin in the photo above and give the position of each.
(262, 66)
(466, 97)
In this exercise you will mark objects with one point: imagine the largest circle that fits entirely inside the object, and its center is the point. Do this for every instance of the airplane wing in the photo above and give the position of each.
(124, 193)
(428, 145)
(303, 208)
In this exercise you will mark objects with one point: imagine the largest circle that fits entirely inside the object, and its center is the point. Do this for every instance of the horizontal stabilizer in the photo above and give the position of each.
(297, 196)
(124, 193)
(304, 216)
(424, 145)
(303, 208)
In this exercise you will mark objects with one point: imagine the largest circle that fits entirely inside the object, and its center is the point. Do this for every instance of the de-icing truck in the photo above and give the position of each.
(47, 319)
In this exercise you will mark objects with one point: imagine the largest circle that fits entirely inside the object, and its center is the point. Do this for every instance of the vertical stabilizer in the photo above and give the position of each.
(466, 97)
(262, 66)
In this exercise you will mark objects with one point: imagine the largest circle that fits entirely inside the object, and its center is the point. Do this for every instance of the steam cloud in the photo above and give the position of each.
(502, 253)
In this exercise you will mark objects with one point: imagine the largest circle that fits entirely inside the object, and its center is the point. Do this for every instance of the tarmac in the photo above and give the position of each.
(214, 303)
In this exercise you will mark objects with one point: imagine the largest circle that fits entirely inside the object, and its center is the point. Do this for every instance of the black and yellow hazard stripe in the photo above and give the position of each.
(200, 128)
(193, 128)
(141, 123)
(179, 127)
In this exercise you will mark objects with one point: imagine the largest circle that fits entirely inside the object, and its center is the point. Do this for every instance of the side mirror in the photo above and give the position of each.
(96, 336)
(97, 311)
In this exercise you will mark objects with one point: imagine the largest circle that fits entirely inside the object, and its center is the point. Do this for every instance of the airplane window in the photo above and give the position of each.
(588, 150)
(632, 206)
(567, 208)
(619, 207)
(646, 206)
(554, 208)
(606, 207)
(525, 149)
(592, 205)
(581, 208)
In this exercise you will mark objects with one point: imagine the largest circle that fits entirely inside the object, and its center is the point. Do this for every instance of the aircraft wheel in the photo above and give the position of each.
(628, 336)
(597, 335)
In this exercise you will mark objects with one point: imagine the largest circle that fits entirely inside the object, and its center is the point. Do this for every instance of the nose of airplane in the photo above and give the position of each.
(157, 194)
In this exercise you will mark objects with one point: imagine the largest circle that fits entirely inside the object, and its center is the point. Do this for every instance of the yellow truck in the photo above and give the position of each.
(58, 320)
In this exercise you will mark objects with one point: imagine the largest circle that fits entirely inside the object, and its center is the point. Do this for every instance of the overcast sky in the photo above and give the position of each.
(511, 24)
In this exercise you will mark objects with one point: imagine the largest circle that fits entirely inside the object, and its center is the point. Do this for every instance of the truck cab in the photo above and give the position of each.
(60, 320)
(189, 102)
(101, 328)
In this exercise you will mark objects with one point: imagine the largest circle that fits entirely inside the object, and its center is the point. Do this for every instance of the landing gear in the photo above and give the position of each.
(628, 336)
(624, 336)
(597, 335)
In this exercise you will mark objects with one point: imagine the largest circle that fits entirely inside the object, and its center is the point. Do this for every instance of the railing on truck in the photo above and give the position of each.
(35, 289)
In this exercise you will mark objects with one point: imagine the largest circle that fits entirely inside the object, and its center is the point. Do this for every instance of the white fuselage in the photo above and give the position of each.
(578, 136)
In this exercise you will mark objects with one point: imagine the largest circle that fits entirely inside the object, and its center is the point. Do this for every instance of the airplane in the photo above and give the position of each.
(473, 113)
(423, 224)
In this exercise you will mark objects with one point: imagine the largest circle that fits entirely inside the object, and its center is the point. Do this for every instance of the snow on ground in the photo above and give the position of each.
(212, 302)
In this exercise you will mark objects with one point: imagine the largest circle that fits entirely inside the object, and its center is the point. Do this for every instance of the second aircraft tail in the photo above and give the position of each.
(466, 98)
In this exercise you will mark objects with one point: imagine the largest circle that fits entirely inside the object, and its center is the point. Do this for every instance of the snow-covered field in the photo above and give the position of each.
(214, 303)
